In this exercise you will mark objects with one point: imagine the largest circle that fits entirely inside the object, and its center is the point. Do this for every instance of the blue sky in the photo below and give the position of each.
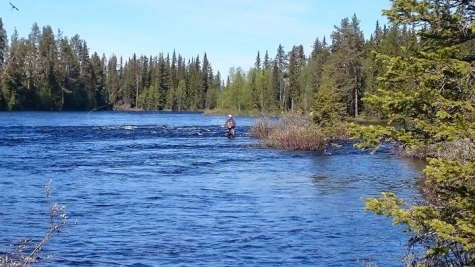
(229, 31)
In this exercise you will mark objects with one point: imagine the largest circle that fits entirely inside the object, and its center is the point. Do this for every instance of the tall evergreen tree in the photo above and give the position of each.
(257, 65)
(3, 50)
(281, 70)
(431, 94)
(3, 44)
(13, 75)
(266, 64)
(317, 61)
(297, 63)
(206, 82)
(50, 91)
(347, 57)
(98, 82)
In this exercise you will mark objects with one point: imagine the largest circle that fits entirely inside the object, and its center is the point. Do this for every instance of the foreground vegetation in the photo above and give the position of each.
(26, 252)
(430, 92)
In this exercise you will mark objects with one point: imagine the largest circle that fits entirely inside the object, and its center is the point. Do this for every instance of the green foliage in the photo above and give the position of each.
(52, 72)
(429, 93)
(296, 84)
(291, 81)
(328, 109)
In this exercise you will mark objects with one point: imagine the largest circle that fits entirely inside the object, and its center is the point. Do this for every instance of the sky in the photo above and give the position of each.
(230, 32)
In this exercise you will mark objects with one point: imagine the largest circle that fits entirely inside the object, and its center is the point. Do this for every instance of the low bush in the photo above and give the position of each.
(294, 132)
(262, 127)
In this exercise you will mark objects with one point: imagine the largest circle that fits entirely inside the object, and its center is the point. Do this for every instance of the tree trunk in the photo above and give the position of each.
(137, 92)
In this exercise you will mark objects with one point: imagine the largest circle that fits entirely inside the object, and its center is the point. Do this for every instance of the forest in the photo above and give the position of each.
(49, 71)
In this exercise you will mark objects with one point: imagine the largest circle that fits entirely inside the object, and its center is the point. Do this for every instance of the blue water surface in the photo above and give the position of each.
(169, 189)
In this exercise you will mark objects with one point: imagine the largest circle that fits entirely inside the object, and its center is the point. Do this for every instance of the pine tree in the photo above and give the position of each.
(63, 71)
(164, 82)
(297, 62)
(98, 82)
(86, 76)
(276, 83)
(3, 44)
(50, 88)
(266, 64)
(280, 72)
(3, 50)
(113, 84)
(14, 76)
(317, 61)
(206, 82)
(328, 108)
(257, 65)
(347, 57)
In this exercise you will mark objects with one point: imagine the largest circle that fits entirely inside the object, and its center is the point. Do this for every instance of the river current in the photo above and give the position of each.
(169, 189)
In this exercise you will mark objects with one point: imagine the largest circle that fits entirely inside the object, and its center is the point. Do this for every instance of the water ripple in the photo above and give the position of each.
(170, 190)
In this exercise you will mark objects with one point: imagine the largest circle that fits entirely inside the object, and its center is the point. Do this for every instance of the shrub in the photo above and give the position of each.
(293, 132)
(262, 127)
(296, 138)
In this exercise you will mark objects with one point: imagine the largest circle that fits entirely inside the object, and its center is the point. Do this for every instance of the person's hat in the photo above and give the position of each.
(230, 116)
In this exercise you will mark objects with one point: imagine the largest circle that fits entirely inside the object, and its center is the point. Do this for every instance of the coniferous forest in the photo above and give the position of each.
(49, 71)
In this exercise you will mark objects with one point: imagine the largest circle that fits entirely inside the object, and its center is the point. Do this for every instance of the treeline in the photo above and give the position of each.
(48, 71)
(334, 76)
(331, 80)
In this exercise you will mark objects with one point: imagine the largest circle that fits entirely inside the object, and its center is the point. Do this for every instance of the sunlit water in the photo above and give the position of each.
(164, 189)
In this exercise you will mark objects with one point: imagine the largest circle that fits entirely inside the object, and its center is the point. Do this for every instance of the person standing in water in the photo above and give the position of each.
(230, 124)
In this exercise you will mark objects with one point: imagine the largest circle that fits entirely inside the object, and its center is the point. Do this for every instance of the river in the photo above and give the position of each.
(169, 189)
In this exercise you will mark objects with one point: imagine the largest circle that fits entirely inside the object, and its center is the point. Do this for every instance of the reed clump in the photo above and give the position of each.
(262, 127)
(293, 132)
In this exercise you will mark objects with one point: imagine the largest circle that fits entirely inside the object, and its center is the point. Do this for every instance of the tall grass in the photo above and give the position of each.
(294, 132)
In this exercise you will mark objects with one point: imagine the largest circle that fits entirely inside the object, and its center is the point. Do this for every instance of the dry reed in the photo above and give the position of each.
(294, 133)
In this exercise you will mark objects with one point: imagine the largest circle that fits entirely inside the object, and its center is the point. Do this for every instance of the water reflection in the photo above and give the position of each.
(348, 168)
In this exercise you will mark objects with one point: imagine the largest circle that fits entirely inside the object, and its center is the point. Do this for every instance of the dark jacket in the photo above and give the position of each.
(230, 123)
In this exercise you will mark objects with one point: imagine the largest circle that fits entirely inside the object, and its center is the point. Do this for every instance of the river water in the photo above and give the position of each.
(169, 189)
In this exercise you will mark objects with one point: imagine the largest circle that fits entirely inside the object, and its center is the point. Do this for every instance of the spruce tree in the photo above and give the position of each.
(297, 62)
(430, 93)
(266, 64)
